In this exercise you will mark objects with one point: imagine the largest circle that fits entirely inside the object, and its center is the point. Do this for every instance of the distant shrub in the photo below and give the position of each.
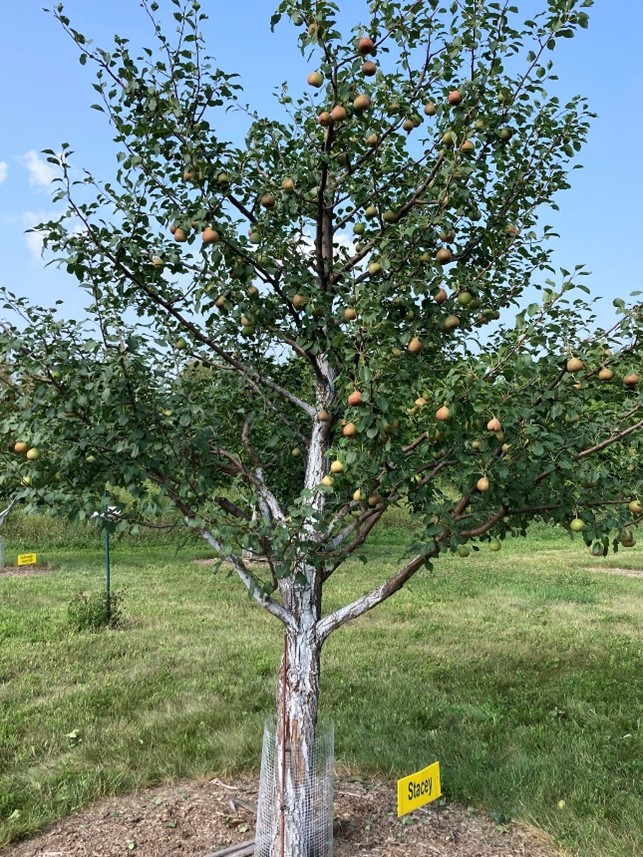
(91, 611)
(24, 532)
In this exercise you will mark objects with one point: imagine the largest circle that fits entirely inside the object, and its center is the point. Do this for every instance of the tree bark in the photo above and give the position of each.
(297, 701)
(297, 832)
(291, 814)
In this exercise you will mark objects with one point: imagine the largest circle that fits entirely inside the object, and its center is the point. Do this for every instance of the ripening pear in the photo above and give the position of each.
(361, 103)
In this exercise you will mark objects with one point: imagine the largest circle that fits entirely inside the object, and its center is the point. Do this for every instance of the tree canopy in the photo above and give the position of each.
(353, 308)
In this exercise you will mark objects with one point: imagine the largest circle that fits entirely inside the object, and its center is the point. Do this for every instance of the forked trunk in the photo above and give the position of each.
(298, 787)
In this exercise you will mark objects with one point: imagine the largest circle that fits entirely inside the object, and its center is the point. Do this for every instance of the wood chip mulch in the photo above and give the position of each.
(199, 819)
(628, 572)
(27, 570)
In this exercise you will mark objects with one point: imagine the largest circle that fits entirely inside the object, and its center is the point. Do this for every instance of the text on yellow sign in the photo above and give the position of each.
(418, 789)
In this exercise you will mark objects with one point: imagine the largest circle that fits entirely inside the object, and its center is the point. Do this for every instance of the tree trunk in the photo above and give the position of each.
(300, 809)
(297, 700)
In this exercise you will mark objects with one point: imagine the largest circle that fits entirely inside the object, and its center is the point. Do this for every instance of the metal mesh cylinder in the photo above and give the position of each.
(318, 833)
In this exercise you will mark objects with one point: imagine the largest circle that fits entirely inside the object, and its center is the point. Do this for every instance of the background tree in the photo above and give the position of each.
(335, 285)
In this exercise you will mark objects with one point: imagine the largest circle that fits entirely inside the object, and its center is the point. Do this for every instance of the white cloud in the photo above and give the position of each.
(33, 240)
(41, 173)
(344, 240)
(4, 169)
(340, 239)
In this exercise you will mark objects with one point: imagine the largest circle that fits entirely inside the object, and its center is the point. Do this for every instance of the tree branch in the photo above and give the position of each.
(371, 599)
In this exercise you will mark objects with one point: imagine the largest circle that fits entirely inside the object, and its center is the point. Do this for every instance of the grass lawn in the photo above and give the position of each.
(521, 671)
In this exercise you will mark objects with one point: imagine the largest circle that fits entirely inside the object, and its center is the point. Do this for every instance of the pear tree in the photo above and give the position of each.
(352, 308)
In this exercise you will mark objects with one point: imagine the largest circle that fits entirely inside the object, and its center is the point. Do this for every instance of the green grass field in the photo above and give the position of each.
(522, 672)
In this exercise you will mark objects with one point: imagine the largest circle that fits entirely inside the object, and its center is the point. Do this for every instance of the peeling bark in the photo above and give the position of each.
(297, 700)
(298, 684)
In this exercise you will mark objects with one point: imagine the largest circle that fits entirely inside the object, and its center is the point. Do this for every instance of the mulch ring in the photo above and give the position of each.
(27, 570)
(198, 819)
(628, 572)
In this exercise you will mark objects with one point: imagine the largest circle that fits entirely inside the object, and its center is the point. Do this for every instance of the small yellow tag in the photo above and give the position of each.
(27, 559)
(418, 789)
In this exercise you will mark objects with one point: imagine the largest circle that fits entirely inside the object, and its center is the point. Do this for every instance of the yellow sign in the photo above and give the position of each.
(27, 559)
(419, 788)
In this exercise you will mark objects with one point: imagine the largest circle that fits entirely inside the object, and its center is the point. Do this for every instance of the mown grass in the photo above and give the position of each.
(522, 672)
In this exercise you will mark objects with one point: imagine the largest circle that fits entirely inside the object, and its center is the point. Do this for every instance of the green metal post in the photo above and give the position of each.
(108, 582)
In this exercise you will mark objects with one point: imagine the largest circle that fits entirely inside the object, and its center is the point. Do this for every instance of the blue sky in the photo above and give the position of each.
(46, 95)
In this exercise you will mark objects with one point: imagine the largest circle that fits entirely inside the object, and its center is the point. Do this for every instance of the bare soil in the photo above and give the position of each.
(27, 570)
(628, 572)
(195, 819)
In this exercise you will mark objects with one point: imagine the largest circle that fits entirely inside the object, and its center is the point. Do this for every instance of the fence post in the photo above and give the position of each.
(108, 581)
